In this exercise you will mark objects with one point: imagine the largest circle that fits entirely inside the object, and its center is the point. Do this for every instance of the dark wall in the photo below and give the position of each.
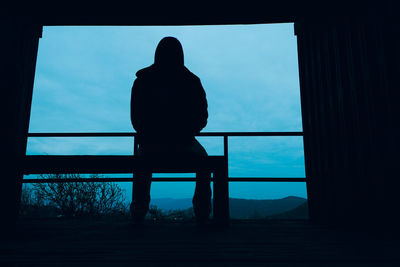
(18, 48)
(349, 75)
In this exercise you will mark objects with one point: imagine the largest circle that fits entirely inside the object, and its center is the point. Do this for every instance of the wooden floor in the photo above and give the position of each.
(55, 242)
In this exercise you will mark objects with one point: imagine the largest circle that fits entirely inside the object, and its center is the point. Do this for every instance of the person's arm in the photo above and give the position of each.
(136, 116)
(202, 106)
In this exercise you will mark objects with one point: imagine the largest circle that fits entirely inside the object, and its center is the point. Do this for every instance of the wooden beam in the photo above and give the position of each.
(205, 12)
(114, 164)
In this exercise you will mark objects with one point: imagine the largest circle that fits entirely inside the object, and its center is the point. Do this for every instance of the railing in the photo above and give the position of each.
(225, 136)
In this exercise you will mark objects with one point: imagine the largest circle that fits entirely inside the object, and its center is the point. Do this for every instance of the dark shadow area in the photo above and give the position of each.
(245, 243)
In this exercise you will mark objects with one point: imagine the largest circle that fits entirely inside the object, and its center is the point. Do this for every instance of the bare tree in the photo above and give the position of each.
(76, 198)
(33, 205)
(156, 213)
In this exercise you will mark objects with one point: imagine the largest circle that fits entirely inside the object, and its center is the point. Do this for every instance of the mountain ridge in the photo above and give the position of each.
(245, 208)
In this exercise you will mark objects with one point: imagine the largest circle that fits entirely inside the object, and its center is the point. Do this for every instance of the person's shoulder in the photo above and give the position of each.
(191, 75)
(145, 72)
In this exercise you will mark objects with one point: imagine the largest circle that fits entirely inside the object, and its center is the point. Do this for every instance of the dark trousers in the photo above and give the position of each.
(142, 178)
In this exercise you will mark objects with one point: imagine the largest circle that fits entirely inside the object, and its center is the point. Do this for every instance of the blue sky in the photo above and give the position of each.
(250, 74)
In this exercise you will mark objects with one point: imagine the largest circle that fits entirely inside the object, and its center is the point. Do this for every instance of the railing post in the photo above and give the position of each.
(135, 145)
(226, 153)
(221, 195)
(221, 190)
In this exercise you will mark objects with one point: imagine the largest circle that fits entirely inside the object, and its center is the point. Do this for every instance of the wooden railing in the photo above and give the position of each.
(225, 136)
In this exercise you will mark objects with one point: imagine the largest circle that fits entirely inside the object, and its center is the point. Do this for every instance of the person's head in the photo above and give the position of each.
(169, 53)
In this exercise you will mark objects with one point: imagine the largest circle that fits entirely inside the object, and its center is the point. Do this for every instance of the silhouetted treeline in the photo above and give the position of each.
(72, 199)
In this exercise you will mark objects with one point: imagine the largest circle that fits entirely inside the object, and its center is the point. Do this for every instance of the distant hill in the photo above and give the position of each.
(254, 209)
(288, 207)
(172, 203)
(300, 212)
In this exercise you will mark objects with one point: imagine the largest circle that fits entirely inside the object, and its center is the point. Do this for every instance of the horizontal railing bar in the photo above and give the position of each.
(265, 179)
(159, 179)
(104, 134)
(127, 134)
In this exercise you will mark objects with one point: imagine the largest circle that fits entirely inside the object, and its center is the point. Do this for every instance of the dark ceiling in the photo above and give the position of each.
(204, 12)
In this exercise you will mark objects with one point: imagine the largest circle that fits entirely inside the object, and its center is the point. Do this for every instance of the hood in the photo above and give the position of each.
(169, 53)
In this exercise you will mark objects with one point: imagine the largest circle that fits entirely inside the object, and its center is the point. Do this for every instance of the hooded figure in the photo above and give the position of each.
(168, 101)
(168, 108)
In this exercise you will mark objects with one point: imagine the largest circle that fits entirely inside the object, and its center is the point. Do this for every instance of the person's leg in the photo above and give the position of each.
(202, 194)
(141, 191)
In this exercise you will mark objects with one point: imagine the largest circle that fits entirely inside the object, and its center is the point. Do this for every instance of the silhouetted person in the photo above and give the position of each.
(168, 108)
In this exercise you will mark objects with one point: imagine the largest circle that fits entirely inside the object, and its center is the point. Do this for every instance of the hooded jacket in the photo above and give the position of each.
(168, 102)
